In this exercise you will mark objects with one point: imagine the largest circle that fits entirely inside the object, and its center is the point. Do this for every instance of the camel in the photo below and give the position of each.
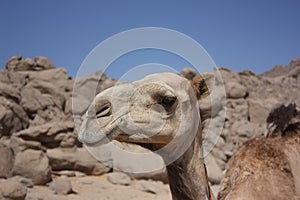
(267, 167)
(159, 112)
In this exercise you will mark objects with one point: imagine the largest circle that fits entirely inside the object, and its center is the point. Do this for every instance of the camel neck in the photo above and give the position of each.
(187, 176)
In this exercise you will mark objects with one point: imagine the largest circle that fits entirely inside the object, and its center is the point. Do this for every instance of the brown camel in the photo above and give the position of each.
(267, 168)
(159, 111)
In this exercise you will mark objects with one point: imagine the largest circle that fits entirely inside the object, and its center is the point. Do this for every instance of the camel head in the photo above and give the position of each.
(154, 110)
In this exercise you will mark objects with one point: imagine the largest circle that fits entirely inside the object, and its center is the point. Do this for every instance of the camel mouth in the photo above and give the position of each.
(138, 138)
(92, 134)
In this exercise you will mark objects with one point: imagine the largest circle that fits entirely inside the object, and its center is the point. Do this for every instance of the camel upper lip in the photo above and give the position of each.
(92, 136)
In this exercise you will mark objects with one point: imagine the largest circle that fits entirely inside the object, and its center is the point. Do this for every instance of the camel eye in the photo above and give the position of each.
(168, 101)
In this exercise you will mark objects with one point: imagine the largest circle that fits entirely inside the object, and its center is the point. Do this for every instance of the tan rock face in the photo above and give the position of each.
(11, 189)
(61, 185)
(75, 159)
(16, 63)
(6, 161)
(33, 164)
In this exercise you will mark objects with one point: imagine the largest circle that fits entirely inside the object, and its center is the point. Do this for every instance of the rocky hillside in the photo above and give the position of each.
(42, 159)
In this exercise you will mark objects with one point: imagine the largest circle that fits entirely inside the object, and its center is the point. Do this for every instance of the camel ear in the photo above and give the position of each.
(200, 85)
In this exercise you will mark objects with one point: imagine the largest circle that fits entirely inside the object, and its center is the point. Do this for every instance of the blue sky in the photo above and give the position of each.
(238, 34)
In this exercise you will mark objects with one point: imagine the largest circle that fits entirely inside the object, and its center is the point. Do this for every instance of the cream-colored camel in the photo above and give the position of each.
(161, 111)
(267, 168)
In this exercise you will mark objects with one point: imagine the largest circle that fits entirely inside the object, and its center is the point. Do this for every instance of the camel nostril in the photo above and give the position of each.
(103, 109)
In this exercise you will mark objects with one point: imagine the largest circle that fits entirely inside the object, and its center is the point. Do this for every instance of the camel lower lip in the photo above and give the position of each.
(137, 138)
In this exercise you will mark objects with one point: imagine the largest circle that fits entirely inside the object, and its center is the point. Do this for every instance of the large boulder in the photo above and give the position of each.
(51, 75)
(19, 144)
(17, 63)
(33, 164)
(24, 181)
(75, 159)
(38, 95)
(61, 185)
(258, 111)
(43, 193)
(236, 90)
(9, 92)
(12, 117)
(136, 161)
(119, 178)
(12, 190)
(6, 161)
(12, 62)
(49, 134)
(43, 63)
(233, 84)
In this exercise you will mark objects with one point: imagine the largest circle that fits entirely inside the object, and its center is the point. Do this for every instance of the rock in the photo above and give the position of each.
(154, 187)
(246, 129)
(46, 87)
(34, 165)
(16, 63)
(47, 133)
(24, 65)
(12, 62)
(209, 108)
(61, 185)
(14, 79)
(295, 73)
(237, 110)
(9, 92)
(69, 140)
(214, 171)
(128, 158)
(38, 95)
(229, 76)
(43, 63)
(78, 159)
(43, 193)
(79, 174)
(33, 100)
(53, 75)
(279, 70)
(119, 178)
(18, 144)
(69, 173)
(258, 112)
(235, 90)
(219, 154)
(6, 161)
(68, 106)
(232, 80)
(50, 114)
(12, 190)
(247, 73)
(93, 188)
(24, 181)
(12, 117)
